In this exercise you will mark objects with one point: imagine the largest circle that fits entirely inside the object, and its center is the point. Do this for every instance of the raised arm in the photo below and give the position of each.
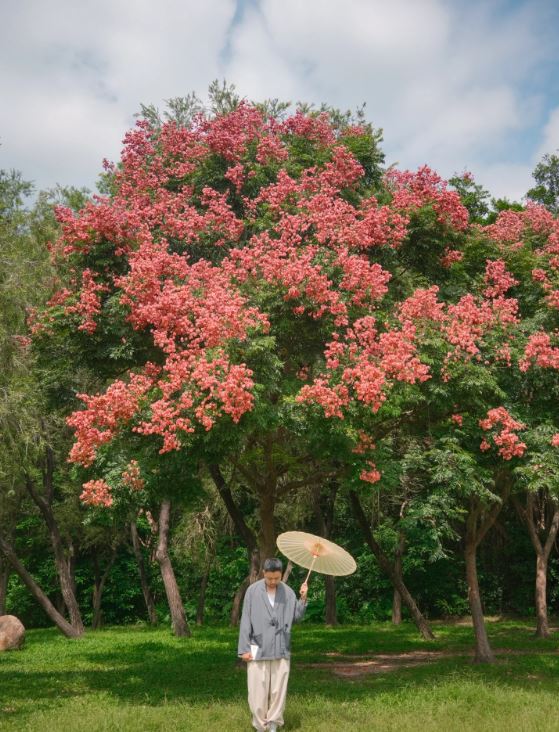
(301, 604)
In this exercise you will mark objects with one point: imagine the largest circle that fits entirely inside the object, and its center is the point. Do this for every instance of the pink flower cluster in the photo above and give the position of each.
(412, 191)
(371, 474)
(497, 279)
(88, 305)
(96, 493)
(132, 477)
(504, 437)
(540, 352)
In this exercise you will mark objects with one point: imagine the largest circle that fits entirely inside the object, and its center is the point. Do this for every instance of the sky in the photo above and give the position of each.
(456, 84)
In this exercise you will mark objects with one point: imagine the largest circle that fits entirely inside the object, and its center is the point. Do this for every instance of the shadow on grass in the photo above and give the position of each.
(151, 667)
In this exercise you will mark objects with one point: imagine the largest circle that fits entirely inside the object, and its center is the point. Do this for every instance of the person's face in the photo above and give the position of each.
(272, 579)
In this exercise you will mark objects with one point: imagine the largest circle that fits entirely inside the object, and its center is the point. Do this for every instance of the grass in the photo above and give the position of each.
(136, 678)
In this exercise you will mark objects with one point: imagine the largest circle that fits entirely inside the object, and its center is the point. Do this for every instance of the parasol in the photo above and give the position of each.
(315, 553)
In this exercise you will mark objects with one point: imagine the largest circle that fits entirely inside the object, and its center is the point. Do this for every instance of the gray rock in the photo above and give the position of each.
(12, 633)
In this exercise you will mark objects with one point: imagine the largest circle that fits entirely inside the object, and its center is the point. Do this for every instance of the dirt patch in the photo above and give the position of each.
(353, 666)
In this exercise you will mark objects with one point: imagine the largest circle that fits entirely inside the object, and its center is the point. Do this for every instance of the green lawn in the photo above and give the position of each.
(135, 678)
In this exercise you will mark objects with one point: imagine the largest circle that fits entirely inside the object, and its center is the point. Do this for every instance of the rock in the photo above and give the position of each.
(12, 633)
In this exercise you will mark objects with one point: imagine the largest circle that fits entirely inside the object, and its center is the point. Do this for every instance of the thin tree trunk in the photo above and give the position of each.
(324, 512)
(397, 598)
(248, 580)
(267, 533)
(176, 607)
(60, 558)
(483, 652)
(202, 597)
(543, 552)
(542, 625)
(98, 588)
(238, 601)
(61, 623)
(396, 608)
(287, 571)
(146, 591)
(387, 566)
(478, 523)
(4, 577)
(245, 532)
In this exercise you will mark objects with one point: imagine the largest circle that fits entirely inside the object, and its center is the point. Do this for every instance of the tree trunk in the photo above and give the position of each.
(323, 504)
(396, 608)
(542, 553)
(176, 607)
(478, 522)
(330, 613)
(202, 597)
(60, 558)
(61, 623)
(287, 571)
(267, 533)
(146, 591)
(4, 577)
(248, 580)
(387, 566)
(238, 601)
(397, 598)
(483, 652)
(542, 626)
(98, 588)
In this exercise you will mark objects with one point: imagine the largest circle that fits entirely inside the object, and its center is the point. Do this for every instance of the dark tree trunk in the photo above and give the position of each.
(483, 652)
(323, 504)
(98, 587)
(4, 577)
(542, 625)
(146, 591)
(396, 608)
(388, 568)
(241, 527)
(287, 571)
(61, 623)
(543, 550)
(267, 533)
(176, 607)
(60, 558)
(245, 532)
(397, 598)
(238, 601)
(478, 523)
(202, 597)
(239, 595)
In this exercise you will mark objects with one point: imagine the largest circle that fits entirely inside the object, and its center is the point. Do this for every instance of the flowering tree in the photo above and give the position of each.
(255, 297)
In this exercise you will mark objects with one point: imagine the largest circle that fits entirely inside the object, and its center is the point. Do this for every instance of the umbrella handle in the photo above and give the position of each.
(314, 558)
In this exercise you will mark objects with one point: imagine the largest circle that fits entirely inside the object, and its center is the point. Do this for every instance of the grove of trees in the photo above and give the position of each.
(255, 327)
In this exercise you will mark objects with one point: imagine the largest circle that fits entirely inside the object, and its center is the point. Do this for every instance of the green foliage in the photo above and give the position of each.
(546, 175)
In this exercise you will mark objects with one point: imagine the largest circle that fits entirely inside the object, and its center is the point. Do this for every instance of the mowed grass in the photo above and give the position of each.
(136, 678)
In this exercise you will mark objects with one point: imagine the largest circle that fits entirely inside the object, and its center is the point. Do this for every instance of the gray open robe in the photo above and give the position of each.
(266, 626)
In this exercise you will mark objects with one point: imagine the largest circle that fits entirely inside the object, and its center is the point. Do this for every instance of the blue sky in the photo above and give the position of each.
(458, 85)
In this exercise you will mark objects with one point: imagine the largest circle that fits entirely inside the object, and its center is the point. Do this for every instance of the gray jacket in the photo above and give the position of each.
(266, 626)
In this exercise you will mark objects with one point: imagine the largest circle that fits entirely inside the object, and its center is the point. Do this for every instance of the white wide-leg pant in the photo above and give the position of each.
(267, 687)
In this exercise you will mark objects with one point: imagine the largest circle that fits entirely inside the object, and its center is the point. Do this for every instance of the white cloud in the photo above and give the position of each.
(446, 80)
(550, 140)
(72, 75)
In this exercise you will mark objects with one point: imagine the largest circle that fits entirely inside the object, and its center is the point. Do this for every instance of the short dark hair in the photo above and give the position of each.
(273, 564)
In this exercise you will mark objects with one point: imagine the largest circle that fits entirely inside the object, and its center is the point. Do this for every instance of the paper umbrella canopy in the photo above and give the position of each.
(315, 553)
